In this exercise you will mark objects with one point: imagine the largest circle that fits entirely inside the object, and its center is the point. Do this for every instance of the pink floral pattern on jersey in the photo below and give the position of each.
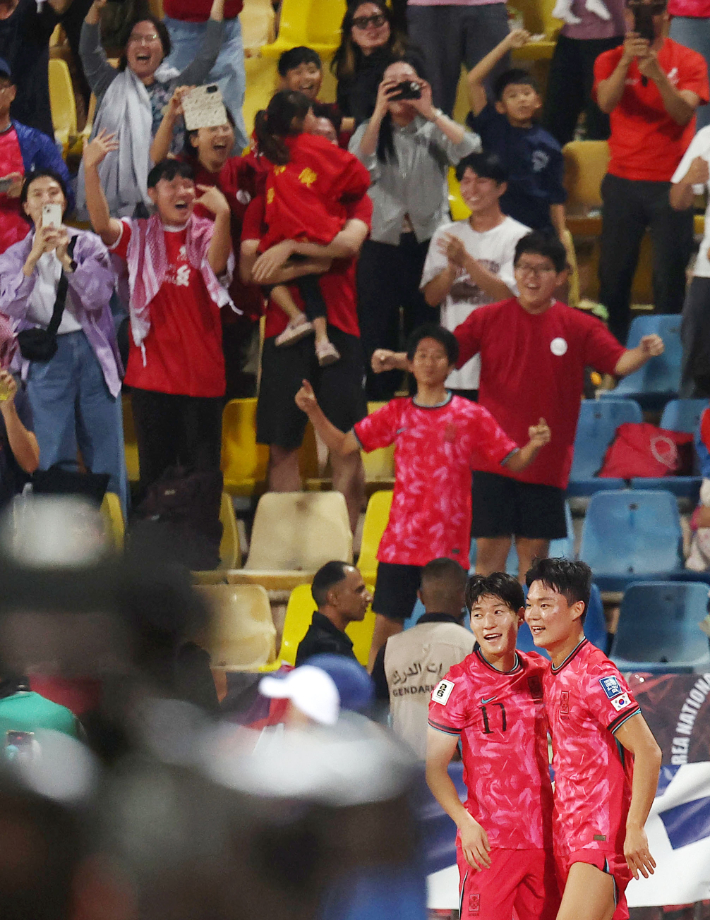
(587, 699)
(435, 451)
(501, 719)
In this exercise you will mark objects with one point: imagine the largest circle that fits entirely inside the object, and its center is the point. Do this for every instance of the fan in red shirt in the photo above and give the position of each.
(307, 188)
(605, 758)
(650, 87)
(208, 150)
(533, 354)
(175, 365)
(492, 704)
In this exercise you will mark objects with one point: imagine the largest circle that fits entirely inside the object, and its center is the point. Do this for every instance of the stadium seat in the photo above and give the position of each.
(658, 628)
(594, 626)
(315, 23)
(257, 19)
(631, 535)
(376, 517)
(230, 553)
(129, 441)
(244, 462)
(114, 524)
(596, 429)
(659, 379)
(242, 636)
(586, 164)
(379, 464)
(293, 535)
(538, 20)
(62, 102)
(678, 415)
(298, 618)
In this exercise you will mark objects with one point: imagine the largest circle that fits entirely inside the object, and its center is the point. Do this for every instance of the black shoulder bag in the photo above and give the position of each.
(41, 344)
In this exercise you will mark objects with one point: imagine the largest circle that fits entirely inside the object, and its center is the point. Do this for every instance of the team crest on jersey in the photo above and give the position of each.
(621, 702)
(474, 904)
(442, 692)
(611, 686)
(535, 687)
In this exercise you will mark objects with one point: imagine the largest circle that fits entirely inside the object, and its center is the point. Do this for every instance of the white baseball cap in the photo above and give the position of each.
(310, 689)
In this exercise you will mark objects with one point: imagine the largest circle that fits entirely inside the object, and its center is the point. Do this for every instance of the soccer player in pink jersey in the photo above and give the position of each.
(606, 761)
(492, 703)
(438, 438)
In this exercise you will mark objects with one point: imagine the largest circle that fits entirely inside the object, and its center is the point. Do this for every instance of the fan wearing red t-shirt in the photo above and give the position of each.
(650, 90)
(533, 354)
(605, 759)
(438, 438)
(492, 704)
(175, 364)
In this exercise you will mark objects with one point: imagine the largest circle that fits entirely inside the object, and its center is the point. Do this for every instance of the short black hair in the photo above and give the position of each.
(539, 243)
(40, 174)
(294, 57)
(513, 76)
(485, 164)
(167, 169)
(439, 334)
(444, 568)
(497, 584)
(161, 30)
(573, 580)
(328, 575)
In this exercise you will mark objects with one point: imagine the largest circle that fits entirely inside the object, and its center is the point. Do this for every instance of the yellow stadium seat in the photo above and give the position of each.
(458, 207)
(376, 517)
(293, 535)
(379, 464)
(315, 23)
(244, 462)
(586, 164)
(230, 553)
(113, 520)
(129, 441)
(298, 618)
(242, 635)
(257, 19)
(538, 20)
(62, 102)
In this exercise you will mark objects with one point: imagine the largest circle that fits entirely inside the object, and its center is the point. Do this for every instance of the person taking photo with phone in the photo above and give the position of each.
(56, 285)
(407, 146)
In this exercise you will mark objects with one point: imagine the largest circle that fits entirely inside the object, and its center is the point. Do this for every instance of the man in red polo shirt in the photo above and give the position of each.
(533, 353)
(339, 387)
(650, 90)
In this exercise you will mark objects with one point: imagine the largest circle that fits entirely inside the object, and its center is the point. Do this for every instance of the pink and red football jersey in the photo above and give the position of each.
(587, 699)
(500, 718)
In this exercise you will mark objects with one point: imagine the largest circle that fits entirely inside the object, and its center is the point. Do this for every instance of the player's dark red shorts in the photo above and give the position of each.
(613, 864)
(523, 880)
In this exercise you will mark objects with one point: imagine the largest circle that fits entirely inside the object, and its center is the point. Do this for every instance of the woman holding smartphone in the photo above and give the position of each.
(74, 393)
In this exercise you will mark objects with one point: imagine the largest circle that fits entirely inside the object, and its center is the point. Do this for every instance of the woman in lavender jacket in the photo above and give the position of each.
(75, 396)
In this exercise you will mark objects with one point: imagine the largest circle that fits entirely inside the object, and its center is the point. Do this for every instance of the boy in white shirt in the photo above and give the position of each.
(470, 262)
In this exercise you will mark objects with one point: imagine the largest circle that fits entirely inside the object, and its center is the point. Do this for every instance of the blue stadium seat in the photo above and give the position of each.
(630, 535)
(678, 415)
(594, 627)
(596, 429)
(658, 628)
(659, 379)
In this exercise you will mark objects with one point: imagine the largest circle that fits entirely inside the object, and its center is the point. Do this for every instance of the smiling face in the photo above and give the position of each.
(306, 79)
(495, 627)
(42, 191)
(370, 28)
(430, 364)
(480, 193)
(144, 50)
(174, 199)
(537, 280)
(213, 145)
(519, 103)
(554, 622)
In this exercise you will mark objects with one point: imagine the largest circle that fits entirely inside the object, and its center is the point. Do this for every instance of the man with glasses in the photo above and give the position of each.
(650, 87)
(533, 353)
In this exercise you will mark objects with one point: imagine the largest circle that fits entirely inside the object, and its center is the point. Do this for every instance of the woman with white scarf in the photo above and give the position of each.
(130, 101)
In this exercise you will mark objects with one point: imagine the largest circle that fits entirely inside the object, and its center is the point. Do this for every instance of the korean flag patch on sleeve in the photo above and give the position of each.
(442, 692)
(611, 686)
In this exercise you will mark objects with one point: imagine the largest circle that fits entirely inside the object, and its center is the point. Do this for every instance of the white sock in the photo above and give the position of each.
(598, 7)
